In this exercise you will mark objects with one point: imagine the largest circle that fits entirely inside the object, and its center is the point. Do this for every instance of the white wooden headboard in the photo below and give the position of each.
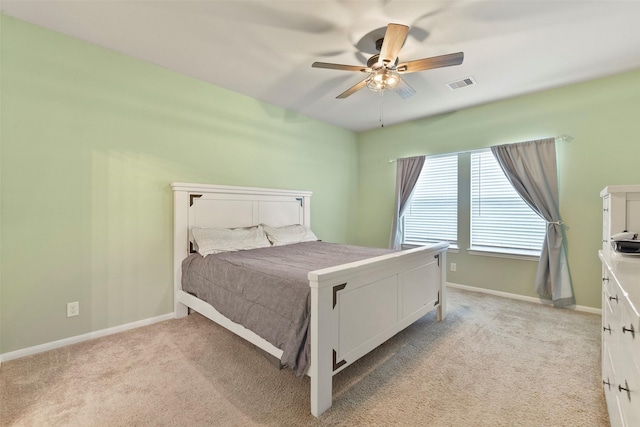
(202, 205)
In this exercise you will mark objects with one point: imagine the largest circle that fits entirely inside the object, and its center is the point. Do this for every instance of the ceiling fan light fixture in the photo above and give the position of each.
(383, 79)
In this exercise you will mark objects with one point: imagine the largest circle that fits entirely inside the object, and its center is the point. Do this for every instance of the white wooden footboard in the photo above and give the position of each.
(356, 307)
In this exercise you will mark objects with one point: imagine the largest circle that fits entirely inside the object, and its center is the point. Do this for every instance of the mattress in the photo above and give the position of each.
(267, 291)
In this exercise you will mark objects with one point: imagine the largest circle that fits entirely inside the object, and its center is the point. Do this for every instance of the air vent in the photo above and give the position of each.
(462, 83)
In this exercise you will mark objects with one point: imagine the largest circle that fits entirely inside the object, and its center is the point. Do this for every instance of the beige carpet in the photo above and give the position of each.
(492, 362)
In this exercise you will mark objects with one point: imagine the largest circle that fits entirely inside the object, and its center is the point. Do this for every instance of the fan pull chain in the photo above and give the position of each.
(381, 108)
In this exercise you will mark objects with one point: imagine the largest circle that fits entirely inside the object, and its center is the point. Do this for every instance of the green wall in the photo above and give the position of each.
(603, 117)
(91, 140)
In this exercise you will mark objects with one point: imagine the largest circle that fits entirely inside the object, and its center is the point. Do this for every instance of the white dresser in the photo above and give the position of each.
(620, 308)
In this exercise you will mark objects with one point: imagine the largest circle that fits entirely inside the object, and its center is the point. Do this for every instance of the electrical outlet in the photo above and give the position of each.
(73, 309)
(453, 266)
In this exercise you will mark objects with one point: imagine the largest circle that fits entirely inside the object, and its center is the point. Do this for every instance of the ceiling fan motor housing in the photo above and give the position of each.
(373, 62)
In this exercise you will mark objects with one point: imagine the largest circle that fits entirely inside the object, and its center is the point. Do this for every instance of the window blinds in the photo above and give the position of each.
(500, 219)
(432, 214)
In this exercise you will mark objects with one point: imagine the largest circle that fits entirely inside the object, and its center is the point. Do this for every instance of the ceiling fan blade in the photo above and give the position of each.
(394, 38)
(431, 63)
(341, 67)
(404, 90)
(353, 89)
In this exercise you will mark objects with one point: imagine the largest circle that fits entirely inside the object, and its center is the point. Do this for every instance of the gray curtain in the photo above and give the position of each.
(531, 169)
(407, 173)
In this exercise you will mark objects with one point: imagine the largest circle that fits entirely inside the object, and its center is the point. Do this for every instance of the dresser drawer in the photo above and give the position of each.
(629, 338)
(628, 401)
(612, 290)
(628, 369)
(610, 386)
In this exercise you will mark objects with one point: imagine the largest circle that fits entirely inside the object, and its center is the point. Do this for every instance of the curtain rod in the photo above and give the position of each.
(559, 138)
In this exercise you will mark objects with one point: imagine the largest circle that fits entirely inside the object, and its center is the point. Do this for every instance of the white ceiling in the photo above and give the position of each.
(264, 49)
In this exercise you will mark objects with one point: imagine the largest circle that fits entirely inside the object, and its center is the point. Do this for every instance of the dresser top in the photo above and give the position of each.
(620, 189)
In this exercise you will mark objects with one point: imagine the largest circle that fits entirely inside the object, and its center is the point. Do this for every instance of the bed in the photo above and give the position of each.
(354, 307)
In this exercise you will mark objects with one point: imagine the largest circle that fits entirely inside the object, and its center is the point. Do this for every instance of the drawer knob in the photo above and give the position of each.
(607, 328)
(607, 383)
(605, 279)
(625, 388)
(633, 332)
(614, 298)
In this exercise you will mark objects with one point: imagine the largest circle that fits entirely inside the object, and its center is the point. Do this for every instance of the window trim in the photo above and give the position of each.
(504, 253)
(453, 247)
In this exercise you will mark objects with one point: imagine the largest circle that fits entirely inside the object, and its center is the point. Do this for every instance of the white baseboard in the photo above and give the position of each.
(116, 329)
(522, 298)
(80, 338)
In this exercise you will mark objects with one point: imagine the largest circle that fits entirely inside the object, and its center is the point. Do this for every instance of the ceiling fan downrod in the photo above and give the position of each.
(381, 108)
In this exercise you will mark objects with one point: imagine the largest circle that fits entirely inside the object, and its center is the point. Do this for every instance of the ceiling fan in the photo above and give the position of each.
(384, 68)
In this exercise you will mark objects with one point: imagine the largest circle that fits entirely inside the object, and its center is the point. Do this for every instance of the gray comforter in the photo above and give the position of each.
(267, 291)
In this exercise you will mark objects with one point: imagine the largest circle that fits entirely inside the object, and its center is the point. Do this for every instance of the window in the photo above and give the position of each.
(500, 220)
(432, 214)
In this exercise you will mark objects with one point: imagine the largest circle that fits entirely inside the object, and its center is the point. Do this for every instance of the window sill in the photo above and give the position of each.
(505, 253)
(453, 247)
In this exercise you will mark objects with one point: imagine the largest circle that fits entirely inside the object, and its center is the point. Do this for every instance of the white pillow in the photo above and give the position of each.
(289, 234)
(216, 240)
